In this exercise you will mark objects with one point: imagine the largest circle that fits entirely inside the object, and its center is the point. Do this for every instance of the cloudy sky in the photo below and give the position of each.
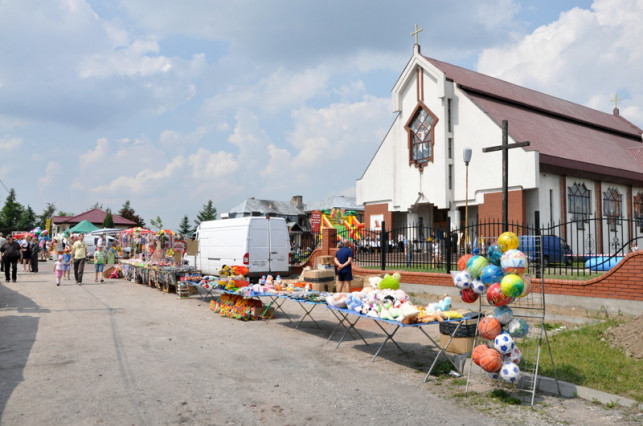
(171, 103)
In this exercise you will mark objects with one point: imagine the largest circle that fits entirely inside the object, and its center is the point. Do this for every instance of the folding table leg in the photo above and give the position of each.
(389, 336)
(351, 325)
(440, 350)
(277, 303)
(340, 321)
(307, 314)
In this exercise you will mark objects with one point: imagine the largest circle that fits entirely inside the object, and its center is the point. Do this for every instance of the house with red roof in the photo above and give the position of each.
(579, 163)
(95, 216)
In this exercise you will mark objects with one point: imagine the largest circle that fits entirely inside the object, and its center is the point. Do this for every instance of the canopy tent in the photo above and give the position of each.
(84, 227)
(137, 230)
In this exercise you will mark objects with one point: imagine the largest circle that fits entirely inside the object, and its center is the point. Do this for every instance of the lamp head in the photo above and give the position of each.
(467, 156)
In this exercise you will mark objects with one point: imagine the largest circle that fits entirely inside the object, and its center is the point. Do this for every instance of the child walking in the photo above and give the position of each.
(58, 269)
(67, 263)
(99, 263)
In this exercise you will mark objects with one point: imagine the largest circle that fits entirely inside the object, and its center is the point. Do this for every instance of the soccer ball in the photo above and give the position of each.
(518, 327)
(514, 356)
(503, 343)
(463, 280)
(509, 372)
(494, 375)
(503, 314)
(479, 287)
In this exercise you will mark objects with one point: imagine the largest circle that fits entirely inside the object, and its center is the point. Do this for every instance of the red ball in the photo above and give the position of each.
(490, 360)
(462, 262)
(496, 297)
(477, 353)
(489, 328)
(468, 296)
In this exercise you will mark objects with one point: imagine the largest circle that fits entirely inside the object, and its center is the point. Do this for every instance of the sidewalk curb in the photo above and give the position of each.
(570, 390)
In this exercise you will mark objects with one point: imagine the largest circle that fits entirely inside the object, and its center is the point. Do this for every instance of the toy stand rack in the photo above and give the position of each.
(531, 308)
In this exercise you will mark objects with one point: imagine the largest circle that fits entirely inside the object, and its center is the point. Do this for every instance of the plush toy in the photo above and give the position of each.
(262, 280)
(374, 281)
(440, 306)
(353, 302)
(269, 280)
(337, 299)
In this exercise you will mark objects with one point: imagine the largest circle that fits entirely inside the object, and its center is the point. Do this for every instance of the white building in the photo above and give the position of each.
(579, 162)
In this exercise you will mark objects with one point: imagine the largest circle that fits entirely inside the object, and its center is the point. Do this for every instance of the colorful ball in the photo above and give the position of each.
(518, 327)
(527, 282)
(509, 372)
(503, 343)
(508, 241)
(489, 328)
(512, 285)
(491, 274)
(462, 262)
(494, 254)
(514, 262)
(491, 361)
(468, 296)
(514, 356)
(496, 297)
(503, 314)
(476, 264)
(478, 287)
(462, 280)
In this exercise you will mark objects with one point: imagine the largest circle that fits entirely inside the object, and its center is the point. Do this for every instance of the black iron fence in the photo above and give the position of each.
(577, 248)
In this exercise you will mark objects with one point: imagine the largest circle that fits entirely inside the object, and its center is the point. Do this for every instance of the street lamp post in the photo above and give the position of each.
(467, 157)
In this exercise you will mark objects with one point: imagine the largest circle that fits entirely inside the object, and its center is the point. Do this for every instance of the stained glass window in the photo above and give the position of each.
(420, 129)
(578, 199)
(638, 210)
(612, 207)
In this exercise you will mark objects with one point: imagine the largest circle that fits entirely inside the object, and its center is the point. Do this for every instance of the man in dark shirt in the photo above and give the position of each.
(343, 261)
(10, 256)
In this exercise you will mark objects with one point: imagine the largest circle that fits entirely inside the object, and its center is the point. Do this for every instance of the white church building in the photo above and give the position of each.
(579, 162)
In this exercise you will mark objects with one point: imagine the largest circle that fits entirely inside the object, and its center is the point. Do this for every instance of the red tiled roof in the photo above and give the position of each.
(95, 216)
(564, 133)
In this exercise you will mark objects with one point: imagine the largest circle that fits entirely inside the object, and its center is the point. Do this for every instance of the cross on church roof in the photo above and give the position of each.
(615, 100)
(416, 32)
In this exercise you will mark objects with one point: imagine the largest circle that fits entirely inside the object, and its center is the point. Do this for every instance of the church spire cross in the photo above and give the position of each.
(416, 32)
(615, 100)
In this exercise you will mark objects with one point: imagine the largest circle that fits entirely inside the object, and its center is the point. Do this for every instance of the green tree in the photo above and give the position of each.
(157, 223)
(28, 219)
(47, 213)
(208, 212)
(64, 214)
(108, 222)
(11, 212)
(96, 205)
(184, 227)
(127, 212)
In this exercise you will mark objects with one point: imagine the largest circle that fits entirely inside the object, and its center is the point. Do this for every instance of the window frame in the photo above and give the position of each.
(612, 197)
(423, 162)
(579, 191)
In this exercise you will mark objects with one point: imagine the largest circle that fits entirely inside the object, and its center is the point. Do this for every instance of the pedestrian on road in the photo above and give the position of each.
(2, 241)
(26, 254)
(343, 261)
(79, 254)
(99, 263)
(11, 251)
(67, 263)
(35, 251)
(58, 268)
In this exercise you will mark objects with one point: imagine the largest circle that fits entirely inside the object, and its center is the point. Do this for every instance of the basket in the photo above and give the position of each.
(465, 330)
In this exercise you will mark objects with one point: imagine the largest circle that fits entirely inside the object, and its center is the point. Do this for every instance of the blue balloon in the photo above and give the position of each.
(491, 274)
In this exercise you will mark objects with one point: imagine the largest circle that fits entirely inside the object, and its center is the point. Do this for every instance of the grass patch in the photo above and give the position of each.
(582, 358)
(503, 396)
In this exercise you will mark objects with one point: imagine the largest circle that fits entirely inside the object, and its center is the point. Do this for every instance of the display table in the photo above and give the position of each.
(162, 276)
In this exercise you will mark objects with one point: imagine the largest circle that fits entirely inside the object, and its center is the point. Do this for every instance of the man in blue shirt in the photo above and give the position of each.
(343, 261)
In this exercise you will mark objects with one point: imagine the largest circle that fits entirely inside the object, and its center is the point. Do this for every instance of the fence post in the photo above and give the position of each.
(383, 245)
(539, 258)
(448, 244)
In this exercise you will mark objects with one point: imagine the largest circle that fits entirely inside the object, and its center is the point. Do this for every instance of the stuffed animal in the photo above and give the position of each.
(353, 302)
(374, 281)
(337, 299)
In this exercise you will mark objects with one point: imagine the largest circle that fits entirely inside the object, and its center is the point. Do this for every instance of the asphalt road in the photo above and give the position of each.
(123, 353)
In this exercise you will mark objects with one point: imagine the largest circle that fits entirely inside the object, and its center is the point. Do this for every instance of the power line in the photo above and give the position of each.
(9, 192)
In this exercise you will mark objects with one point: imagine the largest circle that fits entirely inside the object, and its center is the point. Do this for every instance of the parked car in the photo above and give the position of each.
(554, 249)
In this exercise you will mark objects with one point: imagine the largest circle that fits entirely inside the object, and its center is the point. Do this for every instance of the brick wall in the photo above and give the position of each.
(492, 206)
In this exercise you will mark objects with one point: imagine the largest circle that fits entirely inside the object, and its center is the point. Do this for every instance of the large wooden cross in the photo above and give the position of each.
(505, 147)
(416, 32)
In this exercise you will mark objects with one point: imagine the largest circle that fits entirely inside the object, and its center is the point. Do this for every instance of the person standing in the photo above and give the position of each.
(58, 268)
(79, 254)
(99, 263)
(35, 251)
(11, 252)
(343, 261)
(3, 240)
(26, 253)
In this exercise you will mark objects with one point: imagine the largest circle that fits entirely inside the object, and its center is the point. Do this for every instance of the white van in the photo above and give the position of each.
(260, 243)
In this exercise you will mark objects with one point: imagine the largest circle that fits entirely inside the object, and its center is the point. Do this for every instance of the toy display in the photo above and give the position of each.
(512, 285)
(491, 274)
(503, 343)
(509, 372)
(478, 287)
(496, 297)
(468, 295)
(527, 286)
(494, 254)
(503, 314)
(462, 262)
(490, 360)
(462, 279)
(476, 264)
(514, 356)
(477, 353)
(518, 327)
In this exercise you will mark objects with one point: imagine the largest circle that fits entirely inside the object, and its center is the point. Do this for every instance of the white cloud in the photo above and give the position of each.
(10, 143)
(52, 175)
(89, 159)
(145, 180)
(585, 56)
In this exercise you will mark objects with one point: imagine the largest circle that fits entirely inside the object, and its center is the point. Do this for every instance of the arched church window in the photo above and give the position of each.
(578, 200)
(612, 207)
(420, 129)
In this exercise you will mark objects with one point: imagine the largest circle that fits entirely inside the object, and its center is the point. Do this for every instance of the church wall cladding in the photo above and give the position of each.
(491, 209)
